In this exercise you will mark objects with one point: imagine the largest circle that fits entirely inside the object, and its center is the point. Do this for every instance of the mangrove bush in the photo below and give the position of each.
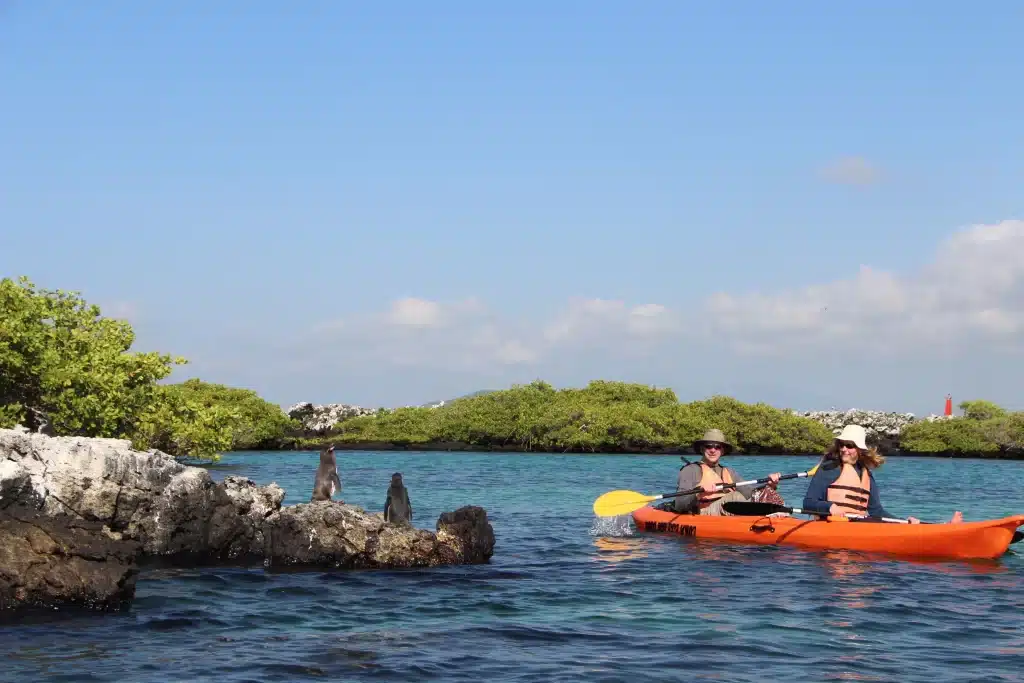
(68, 370)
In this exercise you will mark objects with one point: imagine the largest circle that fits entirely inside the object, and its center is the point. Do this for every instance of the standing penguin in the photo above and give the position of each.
(397, 507)
(327, 481)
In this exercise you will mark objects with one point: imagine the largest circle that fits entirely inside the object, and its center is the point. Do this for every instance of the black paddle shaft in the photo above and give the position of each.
(763, 480)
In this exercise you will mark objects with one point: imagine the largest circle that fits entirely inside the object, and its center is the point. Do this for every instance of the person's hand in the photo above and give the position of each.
(913, 520)
(710, 488)
(773, 479)
(835, 511)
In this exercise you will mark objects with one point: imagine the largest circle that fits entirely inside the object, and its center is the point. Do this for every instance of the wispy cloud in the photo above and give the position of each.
(972, 292)
(851, 170)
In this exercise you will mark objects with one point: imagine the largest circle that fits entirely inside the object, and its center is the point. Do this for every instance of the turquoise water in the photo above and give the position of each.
(566, 598)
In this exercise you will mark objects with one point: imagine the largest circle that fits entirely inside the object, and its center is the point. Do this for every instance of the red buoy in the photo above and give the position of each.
(949, 404)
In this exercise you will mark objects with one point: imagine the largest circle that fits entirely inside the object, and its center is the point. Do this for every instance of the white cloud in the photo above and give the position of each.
(466, 335)
(851, 171)
(592, 319)
(416, 332)
(415, 312)
(973, 291)
(513, 352)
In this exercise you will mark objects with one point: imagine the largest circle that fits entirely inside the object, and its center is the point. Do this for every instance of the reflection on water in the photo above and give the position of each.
(852, 676)
(614, 550)
(851, 571)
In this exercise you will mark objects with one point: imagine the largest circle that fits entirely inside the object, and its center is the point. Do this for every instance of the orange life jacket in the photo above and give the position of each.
(850, 491)
(709, 476)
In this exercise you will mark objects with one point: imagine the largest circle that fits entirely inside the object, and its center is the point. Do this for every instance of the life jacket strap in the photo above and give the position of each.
(855, 489)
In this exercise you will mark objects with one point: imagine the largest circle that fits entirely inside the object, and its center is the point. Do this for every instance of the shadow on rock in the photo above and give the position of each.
(63, 562)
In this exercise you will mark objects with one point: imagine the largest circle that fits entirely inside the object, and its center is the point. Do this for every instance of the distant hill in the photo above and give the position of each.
(449, 400)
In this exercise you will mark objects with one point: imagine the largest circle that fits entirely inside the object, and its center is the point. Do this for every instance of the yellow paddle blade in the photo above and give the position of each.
(810, 472)
(620, 502)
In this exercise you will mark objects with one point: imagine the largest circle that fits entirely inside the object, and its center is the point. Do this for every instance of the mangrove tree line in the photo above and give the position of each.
(70, 371)
(604, 417)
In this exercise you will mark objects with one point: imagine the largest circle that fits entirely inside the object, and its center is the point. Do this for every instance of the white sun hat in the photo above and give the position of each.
(856, 434)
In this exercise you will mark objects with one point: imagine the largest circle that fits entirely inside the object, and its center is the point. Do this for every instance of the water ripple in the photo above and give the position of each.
(566, 597)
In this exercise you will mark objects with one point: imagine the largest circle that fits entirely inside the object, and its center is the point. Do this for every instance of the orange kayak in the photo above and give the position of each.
(965, 540)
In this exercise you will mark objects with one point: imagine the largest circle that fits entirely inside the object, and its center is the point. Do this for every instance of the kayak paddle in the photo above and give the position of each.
(622, 501)
(763, 509)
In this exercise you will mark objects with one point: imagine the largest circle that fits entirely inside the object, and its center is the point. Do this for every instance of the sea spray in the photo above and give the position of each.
(620, 525)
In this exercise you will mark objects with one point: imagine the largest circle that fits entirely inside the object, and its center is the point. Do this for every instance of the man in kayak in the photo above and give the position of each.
(709, 474)
(844, 484)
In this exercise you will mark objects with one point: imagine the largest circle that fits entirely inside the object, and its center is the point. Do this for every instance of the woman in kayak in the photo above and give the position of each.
(844, 484)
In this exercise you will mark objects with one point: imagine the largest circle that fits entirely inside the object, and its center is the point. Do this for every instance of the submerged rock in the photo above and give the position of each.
(329, 534)
(51, 562)
(468, 533)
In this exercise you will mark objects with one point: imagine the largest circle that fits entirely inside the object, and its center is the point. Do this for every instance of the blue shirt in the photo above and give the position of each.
(816, 498)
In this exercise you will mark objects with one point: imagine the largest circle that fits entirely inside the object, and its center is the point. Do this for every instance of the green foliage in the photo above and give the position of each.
(601, 417)
(985, 429)
(62, 362)
(58, 356)
(759, 427)
(255, 423)
(179, 426)
(981, 410)
(1007, 432)
(956, 436)
(201, 419)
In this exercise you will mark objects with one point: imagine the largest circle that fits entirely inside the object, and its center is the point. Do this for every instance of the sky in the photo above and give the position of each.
(816, 205)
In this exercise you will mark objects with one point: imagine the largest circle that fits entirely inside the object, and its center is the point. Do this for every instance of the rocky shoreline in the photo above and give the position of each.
(78, 516)
(877, 423)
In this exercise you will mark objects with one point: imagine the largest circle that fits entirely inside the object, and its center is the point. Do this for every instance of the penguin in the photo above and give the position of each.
(327, 481)
(397, 507)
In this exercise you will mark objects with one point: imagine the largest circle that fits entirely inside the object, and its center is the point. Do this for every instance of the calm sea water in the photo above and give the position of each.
(566, 597)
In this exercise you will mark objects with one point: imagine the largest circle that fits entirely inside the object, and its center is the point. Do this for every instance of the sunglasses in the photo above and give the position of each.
(713, 447)
(847, 444)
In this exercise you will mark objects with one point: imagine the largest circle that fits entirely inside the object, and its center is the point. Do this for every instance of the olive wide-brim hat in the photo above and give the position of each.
(712, 436)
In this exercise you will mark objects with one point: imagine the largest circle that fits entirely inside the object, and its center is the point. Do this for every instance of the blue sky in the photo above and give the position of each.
(391, 203)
